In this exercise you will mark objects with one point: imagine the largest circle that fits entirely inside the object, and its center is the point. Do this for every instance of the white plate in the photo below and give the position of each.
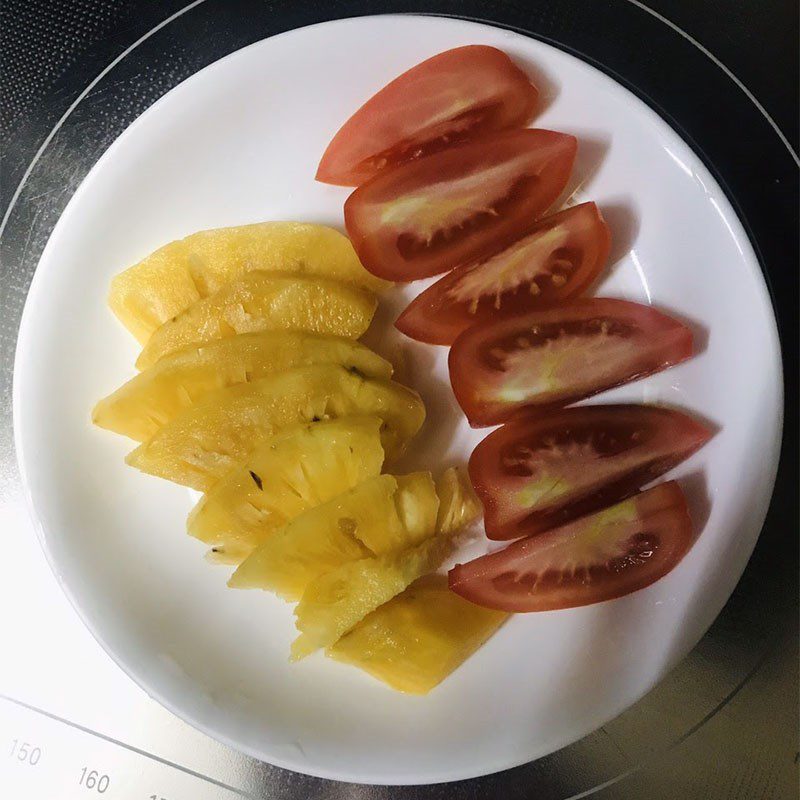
(239, 142)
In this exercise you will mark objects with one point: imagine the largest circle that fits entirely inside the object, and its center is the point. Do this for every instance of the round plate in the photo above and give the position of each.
(239, 142)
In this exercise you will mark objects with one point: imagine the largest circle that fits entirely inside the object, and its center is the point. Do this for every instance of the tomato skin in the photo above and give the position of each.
(557, 356)
(448, 98)
(610, 554)
(458, 205)
(520, 278)
(543, 470)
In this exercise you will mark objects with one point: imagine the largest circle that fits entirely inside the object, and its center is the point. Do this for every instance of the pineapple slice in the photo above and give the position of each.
(336, 601)
(202, 443)
(409, 518)
(154, 397)
(413, 642)
(169, 280)
(284, 476)
(458, 504)
(333, 603)
(376, 517)
(264, 301)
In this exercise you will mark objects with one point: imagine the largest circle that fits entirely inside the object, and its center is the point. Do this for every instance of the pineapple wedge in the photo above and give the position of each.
(458, 504)
(154, 397)
(378, 516)
(283, 477)
(169, 280)
(335, 602)
(263, 301)
(198, 446)
(413, 642)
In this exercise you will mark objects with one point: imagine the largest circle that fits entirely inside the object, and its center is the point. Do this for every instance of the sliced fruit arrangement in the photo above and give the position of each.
(169, 280)
(524, 343)
(203, 442)
(450, 208)
(254, 390)
(257, 394)
(542, 470)
(265, 301)
(154, 397)
(554, 357)
(448, 98)
(338, 600)
(381, 515)
(608, 554)
(555, 261)
(284, 476)
(419, 637)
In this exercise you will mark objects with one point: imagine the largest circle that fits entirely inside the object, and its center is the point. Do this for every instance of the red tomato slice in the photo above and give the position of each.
(557, 356)
(609, 554)
(556, 261)
(543, 470)
(463, 203)
(448, 98)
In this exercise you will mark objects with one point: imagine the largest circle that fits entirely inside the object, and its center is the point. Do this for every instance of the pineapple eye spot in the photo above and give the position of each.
(348, 526)
(257, 480)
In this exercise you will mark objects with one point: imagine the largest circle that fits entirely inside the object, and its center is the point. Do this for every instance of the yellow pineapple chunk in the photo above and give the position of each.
(334, 602)
(154, 397)
(198, 446)
(458, 505)
(265, 301)
(378, 516)
(408, 517)
(169, 280)
(284, 476)
(413, 642)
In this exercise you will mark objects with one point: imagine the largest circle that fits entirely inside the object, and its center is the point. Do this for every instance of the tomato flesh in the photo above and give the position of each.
(557, 356)
(609, 554)
(554, 262)
(540, 471)
(461, 204)
(449, 98)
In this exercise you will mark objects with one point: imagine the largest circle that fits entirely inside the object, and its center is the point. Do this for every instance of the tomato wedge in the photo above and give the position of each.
(609, 554)
(557, 356)
(448, 98)
(450, 208)
(543, 470)
(555, 261)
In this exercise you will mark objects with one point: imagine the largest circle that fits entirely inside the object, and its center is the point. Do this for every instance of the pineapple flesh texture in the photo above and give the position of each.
(283, 477)
(413, 642)
(198, 446)
(154, 397)
(379, 516)
(264, 301)
(458, 504)
(338, 600)
(169, 280)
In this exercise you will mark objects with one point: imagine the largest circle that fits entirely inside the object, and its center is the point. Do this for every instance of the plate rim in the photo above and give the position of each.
(363, 775)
